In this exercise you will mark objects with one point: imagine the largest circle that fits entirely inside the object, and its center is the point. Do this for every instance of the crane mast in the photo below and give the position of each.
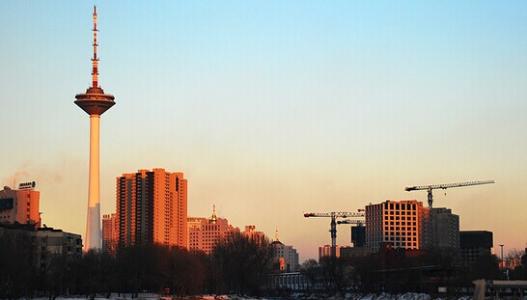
(333, 224)
(445, 186)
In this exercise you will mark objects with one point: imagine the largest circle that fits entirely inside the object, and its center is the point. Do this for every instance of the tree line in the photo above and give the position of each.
(397, 271)
(238, 264)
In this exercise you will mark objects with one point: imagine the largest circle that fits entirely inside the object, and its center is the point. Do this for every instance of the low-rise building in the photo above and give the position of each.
(349, 252)
(475, 244)
(45, 242)
(52, 242)
(294, 281)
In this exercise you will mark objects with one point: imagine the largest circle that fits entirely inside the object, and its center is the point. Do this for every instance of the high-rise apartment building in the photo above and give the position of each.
(152, 208)
(394, 223)
(205, 233)
(110, 232)
(20, 206)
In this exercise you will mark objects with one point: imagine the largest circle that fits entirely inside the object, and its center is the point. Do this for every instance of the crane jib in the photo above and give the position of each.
(447, 185)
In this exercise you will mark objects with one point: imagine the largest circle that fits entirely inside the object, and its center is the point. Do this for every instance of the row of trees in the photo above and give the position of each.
(238, 265)
(396, 271)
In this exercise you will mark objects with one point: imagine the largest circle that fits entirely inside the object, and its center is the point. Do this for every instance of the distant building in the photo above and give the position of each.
(294, 281)
(349, 252)
(251, 232)
(20, 206)
(358, 236)
(51, 242)
(206, 233)
(394, 223)
(152, 208)
(110, 233)
(440, 229)
(45, 243)
(325, 250)
(474, 244)
(285, 257)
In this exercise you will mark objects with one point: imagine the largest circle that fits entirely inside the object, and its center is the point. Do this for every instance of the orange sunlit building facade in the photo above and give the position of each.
(152, 208)
(110, 232)
(20, 206)
(396, 224)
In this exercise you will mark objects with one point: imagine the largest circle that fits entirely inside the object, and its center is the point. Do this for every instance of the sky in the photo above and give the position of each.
(274, 108)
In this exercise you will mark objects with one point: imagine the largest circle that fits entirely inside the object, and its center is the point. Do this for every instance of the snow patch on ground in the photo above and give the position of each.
(347, 296)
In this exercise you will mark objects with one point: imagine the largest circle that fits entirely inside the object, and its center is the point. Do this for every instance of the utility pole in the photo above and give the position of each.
(502, 265)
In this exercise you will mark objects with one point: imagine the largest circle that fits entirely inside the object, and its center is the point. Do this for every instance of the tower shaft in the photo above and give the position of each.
(93, 221)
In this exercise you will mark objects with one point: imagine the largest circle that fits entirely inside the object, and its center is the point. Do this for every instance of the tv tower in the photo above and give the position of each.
(94, 102)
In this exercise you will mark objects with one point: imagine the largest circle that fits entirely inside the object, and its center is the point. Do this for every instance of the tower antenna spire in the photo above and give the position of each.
(213, 218)
(95, 59)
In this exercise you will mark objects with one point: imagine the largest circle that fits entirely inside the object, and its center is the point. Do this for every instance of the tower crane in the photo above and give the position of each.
(359, 223)
(431, 187)
(351, 222)
(333, 225)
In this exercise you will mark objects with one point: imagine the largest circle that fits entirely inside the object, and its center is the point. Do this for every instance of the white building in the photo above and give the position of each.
(285, 257)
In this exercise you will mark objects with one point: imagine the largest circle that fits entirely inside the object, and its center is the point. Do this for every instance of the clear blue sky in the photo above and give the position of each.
(273, 108)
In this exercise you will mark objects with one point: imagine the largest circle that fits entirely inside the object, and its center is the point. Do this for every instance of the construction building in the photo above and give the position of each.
(152, 208)
(20, 206)
(440, 229)
(394, 223)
